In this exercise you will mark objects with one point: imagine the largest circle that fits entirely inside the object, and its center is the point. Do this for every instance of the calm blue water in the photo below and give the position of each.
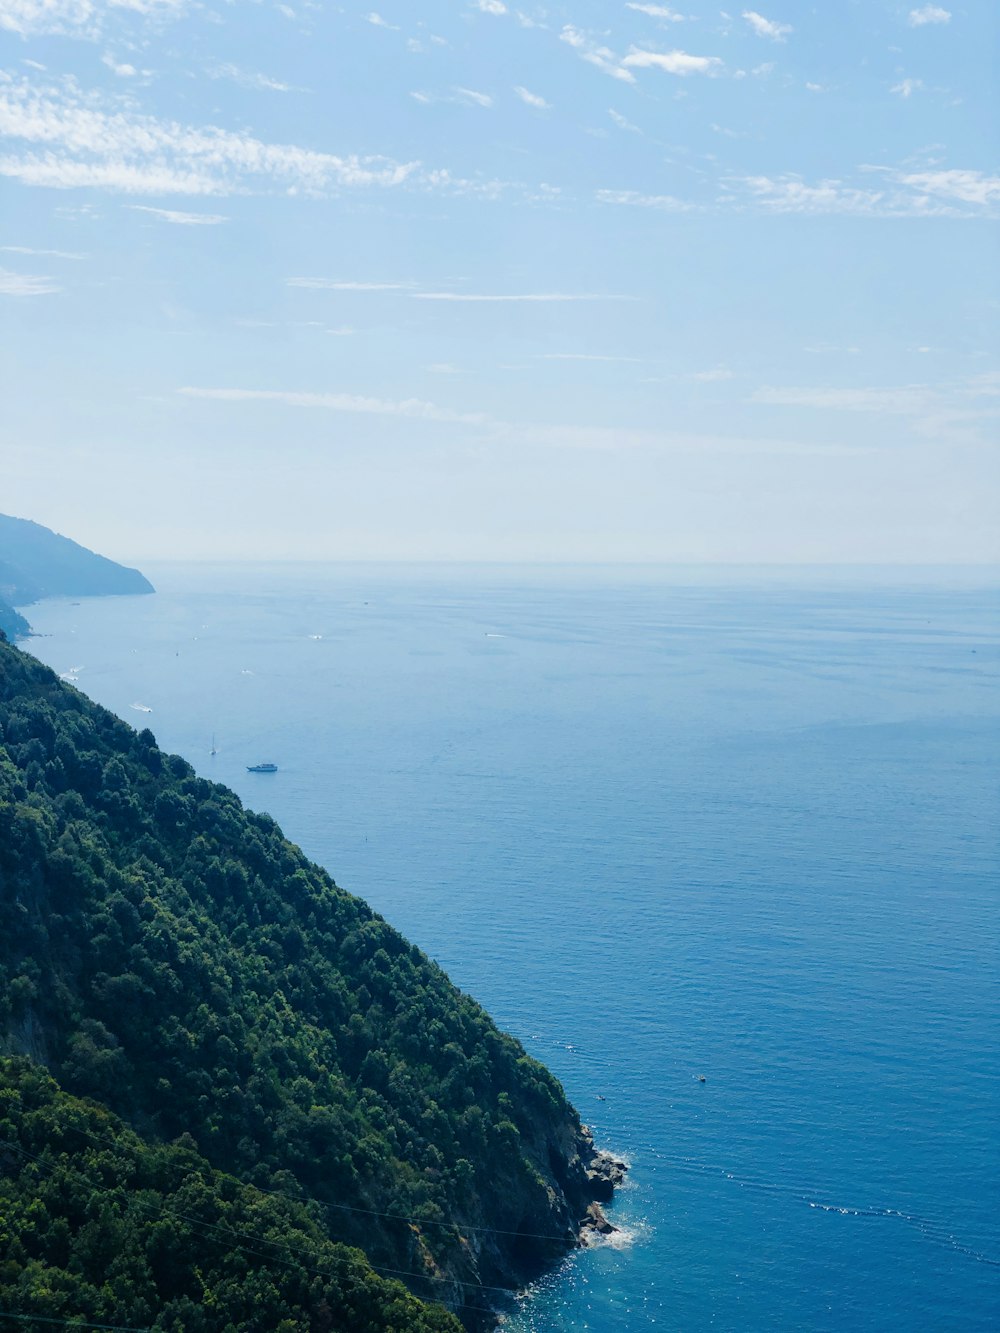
(661, 827)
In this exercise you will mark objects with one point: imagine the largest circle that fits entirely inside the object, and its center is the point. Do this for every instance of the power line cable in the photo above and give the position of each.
(204, 1228)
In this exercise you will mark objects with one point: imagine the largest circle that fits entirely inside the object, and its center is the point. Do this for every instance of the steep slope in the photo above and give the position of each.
(99, 1225)
(36, 562)
(171, 955)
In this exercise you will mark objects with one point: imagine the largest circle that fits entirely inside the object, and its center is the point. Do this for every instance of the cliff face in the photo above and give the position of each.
(170, 955)
(36, 562)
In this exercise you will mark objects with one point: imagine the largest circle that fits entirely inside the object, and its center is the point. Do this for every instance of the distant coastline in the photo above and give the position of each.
(36, 562)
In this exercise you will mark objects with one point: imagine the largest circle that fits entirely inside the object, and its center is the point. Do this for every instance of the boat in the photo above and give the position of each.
(262, 768)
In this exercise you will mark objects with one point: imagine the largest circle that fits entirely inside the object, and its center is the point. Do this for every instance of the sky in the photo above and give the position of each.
(482, 280)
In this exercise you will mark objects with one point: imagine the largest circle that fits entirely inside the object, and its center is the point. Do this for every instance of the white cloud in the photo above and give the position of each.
(715, 376)
(587, 356)
(25, 284)
(954, 193)
(622, 123)
(918, 18)
(30, 250)
(532, 99)
(379, 22)
(906, 401)
(413, 408)
(527, 296)
(470, 95)
(248, 78)
(459, 96)
(180, 219)
(789, 194)
(967, 187)
(78, 18)
(657, 12)
(336, 285)
(83, 140)
(491, 6)
(671, 62)
(124, 71)
(767, 27)
(907, 87)
(601, 57)
(665, 203)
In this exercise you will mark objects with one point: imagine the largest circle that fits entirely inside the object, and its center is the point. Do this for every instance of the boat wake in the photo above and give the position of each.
(936, 1232)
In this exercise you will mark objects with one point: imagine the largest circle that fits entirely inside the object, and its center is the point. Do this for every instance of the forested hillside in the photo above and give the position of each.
(173, 957)
(99, 1225)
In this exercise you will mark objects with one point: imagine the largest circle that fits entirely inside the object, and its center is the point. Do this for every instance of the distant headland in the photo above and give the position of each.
(36, 562)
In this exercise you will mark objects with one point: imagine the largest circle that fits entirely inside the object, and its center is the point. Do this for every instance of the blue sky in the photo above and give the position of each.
(582, 281)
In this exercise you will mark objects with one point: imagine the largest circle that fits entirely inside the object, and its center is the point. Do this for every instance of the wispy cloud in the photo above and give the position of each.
(491, 6)
(623, 123)
(665, 203)
(908, 400)
(590, 437)
(413, 408)
(461, 96)
(248, 79)
(714, 376)
(471, 96)
(377, 21)
(587, 356)
(657, 12)
(943, 193)
(76, 18)
(26, 284)
(919, 18)
(31, 250)
(671, 62)
(532, 99)
(907, 87)
(520, 296)
(943, 413)
(764, 27)
(84, 141)
(595, 53)
(341, 285)
(122, 69)
(967, 187)
(180, 219)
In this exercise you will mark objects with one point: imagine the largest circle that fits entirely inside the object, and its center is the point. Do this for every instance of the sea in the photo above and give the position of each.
(720, 847)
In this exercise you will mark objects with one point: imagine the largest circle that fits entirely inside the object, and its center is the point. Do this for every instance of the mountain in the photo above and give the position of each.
(172, 958)
(36, 562)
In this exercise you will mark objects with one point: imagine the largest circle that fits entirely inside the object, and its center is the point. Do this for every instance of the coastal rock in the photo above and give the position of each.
(594, 1224)
(604, 1174)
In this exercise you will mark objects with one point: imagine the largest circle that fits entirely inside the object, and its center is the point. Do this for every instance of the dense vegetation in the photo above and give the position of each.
(99, 1225)
(36, 562)
(170, 955)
